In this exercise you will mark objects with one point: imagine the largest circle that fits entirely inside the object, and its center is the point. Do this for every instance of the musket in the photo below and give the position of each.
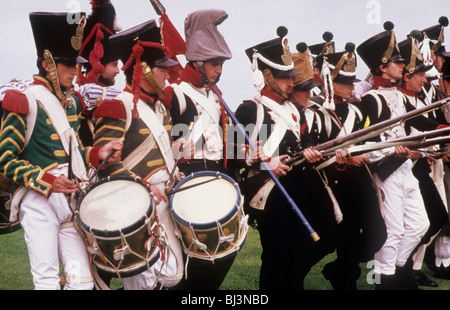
(409, 142)
(368, 132)
(291, 202)
(403, 141)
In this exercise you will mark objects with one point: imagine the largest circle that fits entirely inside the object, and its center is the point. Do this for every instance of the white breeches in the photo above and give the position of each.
(45, 236)
(405, 216)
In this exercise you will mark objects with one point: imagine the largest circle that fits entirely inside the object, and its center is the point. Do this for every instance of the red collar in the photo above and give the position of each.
(143, 95)
(379, 81)
(406, 91)
(39, 80)
(338, 99)
(192, 77)
(272, 95)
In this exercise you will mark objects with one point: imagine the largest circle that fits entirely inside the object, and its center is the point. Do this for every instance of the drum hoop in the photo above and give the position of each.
(125, 230)
(212, 224)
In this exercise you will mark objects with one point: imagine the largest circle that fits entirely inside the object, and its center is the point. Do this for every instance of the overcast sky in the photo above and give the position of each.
(250, 22)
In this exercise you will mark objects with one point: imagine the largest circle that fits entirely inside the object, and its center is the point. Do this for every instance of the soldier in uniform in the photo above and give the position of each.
(362, 230)
(280, 126)
(194, 100)
(317, 50)
(405, 216)
(144, 122)
(97, 78)
(39, 131)
(411, 85)
(433, 51)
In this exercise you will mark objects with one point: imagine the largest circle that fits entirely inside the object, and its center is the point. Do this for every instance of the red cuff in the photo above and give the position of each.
(48, 178)
(443, 126)
(93, 156)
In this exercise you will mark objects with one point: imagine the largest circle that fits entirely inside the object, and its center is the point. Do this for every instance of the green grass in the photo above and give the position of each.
(244, 274)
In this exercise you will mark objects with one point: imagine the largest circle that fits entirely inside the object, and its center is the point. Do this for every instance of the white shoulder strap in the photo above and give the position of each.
(31, 117)
(259, 121)
(180, 96)
(375, 94)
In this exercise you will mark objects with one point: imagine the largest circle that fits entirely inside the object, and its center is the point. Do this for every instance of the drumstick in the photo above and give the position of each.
(191, 126)
(191, 186)
(108, 157)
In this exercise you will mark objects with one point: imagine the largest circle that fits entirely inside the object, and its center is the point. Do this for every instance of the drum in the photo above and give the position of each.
(209, 215)
(6, 226)
(118, 222)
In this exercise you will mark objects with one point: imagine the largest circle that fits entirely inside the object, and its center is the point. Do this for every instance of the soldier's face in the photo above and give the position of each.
(438, 61)
(301, 97)
(393, 70)
(160, 75)
(415, 82)
(285, 84)
(343, 90)
(213, 70)
(110, 72)
(66, 74)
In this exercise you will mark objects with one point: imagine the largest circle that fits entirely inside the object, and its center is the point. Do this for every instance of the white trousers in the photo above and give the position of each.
(168, 270)
(49, 243)
(405, 217)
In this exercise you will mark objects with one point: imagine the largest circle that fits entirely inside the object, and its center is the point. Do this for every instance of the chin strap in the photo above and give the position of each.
(271, 80)
(147, 71)
(53, 77)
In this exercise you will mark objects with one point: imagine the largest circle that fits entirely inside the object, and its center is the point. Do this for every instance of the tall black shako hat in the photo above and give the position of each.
(324, 48)
(337, 68)
(271, 59)
(59, 33)
(410, 50)
(340, 66)
(434, 35)
(140, 49)
(100, 25)
(380, 49)
(273, 55)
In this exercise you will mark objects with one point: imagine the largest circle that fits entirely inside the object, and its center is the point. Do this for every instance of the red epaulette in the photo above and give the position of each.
(16, 101)
(112, 109)
(168, 96)
(83, 104)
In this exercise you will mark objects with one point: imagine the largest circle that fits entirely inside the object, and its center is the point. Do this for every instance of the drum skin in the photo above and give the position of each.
(127, 251)
(215, 239)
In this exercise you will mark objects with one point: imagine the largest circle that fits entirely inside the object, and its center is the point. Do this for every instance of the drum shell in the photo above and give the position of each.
(131, 264)
(209, 234)
(103, 244)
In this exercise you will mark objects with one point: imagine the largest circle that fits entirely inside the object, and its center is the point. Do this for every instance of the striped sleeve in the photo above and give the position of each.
(12, 137)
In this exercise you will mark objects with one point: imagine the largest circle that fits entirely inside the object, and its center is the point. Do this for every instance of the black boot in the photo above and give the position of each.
(341, 278)
(387, 283)
(404, 278)
(422, 280)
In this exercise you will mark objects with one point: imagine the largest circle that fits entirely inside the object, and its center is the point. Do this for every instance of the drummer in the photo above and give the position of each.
(38, 164)
(192, 99)
(135, 115)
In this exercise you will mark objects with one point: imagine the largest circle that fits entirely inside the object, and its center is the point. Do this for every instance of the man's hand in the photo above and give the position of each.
(62, 184)
(186, 146)
(402, 152)
(277, 166)
(312, 155)
(116, 145)
(158, 194)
